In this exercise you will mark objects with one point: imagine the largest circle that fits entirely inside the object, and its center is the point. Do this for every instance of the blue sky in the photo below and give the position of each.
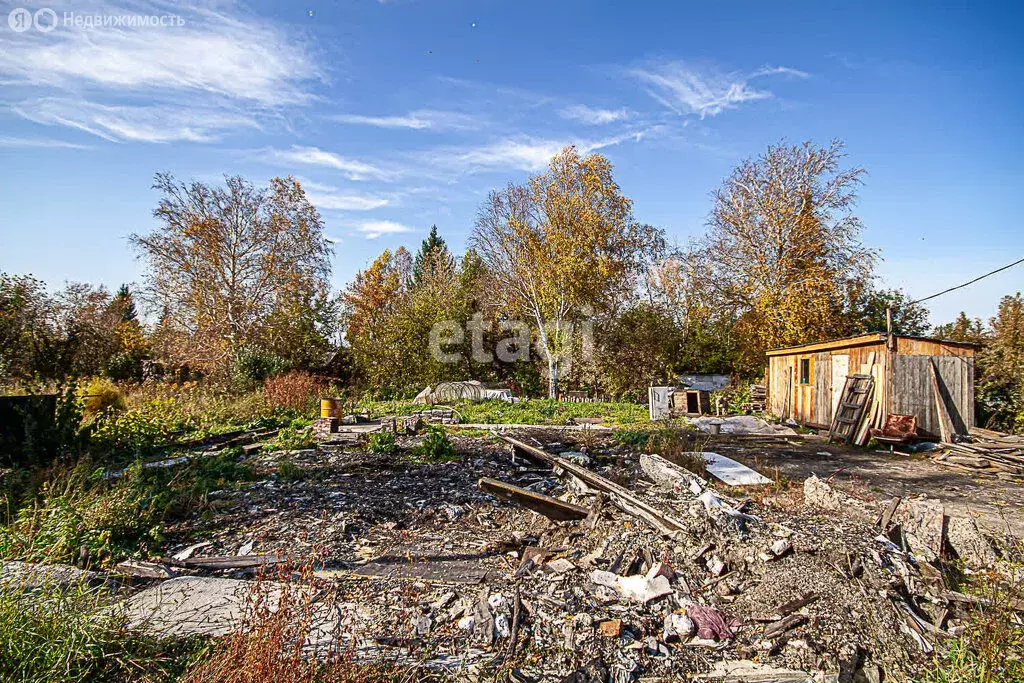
(401, 114)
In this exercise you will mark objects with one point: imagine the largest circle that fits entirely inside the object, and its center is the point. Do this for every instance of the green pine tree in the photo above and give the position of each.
(124, 303)
(434, 246)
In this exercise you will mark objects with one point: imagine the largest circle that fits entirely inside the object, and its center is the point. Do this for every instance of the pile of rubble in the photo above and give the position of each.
(577, 563)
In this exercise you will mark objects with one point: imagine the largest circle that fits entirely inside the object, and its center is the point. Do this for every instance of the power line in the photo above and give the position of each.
(981, 277)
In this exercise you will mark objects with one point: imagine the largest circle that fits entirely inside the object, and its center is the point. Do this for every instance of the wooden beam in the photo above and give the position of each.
(619, 496)
(552, 508)
(946, 430)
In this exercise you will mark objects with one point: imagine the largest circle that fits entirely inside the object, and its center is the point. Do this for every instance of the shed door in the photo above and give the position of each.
(840, 369)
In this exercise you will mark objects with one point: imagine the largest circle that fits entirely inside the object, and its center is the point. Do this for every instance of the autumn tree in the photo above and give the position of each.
(29, 339)
(704, 324)
(962, 329)
(783, 247)
(871, 309)
(229, 268)
(371, 306)
(1000, 361)
(561, 248)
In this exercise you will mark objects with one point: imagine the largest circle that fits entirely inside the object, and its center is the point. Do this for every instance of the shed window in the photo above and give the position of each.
(805, 371)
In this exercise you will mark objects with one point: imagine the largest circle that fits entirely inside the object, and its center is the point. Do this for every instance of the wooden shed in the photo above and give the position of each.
(805, 382)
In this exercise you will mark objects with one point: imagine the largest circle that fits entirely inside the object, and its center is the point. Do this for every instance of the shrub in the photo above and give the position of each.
(81, 508)
(254, 366)
(129, 434)
(383, 442)
(295, 391)
(436, 446)
(100, 395)
(214, 472)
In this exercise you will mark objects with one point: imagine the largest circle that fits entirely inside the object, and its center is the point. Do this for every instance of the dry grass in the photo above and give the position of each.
(295, 391)
(280, 645)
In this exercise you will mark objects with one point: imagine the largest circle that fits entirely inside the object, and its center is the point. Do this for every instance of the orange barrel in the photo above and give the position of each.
(330, 407)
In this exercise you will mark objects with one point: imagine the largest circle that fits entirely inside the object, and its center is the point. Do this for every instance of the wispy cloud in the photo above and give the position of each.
(371, 230)
(135, 123)
(331, 198)
(314, 156)
(521, 153)
(210, 53)
(423, 119)
(132, 79)
(705, 91)
(593, 117)
(39, 143)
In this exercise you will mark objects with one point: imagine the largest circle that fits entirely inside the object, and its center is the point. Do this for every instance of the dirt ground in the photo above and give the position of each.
(994, 503)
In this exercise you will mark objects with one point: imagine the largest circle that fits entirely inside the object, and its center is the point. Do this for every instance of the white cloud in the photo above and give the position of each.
(314, 156)
(594, 117)
(371, 230)
(779, 71)
(135, 123)
(134, 81)
(423, 119)
(211, 53)
(520, 153)
(331, 198)
(688, 89)
(524, 154)
(39, 143)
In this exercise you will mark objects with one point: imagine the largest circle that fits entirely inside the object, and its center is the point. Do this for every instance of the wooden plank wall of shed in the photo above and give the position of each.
(812, 405)
(780, 392)
(822, 414)
(911, 390)
(930, 347)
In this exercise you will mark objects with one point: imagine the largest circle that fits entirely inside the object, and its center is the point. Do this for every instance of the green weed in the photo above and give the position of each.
(382, 443)
(435, 447)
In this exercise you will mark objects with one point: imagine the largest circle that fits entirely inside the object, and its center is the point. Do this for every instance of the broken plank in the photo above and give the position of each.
(619, 496)
(552, 508)
(783, 625)
(890, 510)
(946, 430)
(225, 561)
(669, 475)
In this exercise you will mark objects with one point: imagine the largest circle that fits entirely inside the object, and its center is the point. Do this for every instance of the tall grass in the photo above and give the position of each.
(51, 632)
(990, 649)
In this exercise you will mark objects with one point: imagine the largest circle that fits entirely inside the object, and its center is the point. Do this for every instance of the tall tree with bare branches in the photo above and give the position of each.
(224, 259)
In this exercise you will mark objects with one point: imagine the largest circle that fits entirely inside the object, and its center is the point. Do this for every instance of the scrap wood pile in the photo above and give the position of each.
(985, 449)
(597, 564)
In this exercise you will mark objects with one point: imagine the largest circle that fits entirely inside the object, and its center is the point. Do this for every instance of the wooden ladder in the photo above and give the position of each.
(857, 393)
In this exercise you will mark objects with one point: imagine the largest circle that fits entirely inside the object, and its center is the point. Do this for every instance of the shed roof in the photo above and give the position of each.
(859, 340)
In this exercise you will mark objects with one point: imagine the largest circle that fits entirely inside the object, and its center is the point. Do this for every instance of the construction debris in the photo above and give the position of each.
(731, 472)
(620, 566)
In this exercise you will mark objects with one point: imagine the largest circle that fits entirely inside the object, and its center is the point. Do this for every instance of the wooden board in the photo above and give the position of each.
(552, 508)
(946, 429)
